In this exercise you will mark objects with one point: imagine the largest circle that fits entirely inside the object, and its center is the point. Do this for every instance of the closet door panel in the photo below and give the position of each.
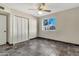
(26, 29)
(23, 29)
(10, 33)
(14, 31)
(19, 29)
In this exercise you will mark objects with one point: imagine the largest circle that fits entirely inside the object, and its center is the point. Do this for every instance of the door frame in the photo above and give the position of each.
(7, 17)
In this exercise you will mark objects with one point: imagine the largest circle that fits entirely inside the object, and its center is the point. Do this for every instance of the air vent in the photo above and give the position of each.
(2, 8)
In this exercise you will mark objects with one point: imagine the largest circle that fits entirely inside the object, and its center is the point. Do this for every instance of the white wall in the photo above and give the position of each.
(32, 28)
(67, 28)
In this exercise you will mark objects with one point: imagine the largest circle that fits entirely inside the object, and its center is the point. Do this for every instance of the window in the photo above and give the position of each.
(49, 24)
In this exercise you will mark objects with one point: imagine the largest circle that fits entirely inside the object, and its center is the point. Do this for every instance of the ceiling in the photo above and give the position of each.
(55, 7)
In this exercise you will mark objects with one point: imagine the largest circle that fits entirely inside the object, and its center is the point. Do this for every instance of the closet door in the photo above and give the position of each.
(14, 29)
(24, 29)
(19, 29)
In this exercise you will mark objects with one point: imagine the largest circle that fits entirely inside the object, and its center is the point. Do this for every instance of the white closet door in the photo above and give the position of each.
(14, 29)
(19, 29)
(2, 29)
(24, 29)
(32, 28)
(19, 25)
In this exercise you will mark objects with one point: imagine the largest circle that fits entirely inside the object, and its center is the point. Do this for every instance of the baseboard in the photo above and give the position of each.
(33, 38)
(59, 41)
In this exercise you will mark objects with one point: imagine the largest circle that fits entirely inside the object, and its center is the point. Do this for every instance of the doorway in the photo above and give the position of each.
(3, 29)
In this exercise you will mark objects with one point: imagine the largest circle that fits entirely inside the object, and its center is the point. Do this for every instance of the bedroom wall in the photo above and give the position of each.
(67, 28)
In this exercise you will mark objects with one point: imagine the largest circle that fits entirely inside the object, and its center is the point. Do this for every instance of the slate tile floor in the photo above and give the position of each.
(40, 47)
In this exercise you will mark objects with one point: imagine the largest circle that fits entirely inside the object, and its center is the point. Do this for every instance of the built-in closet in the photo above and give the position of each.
(19, 29)
(22, 29)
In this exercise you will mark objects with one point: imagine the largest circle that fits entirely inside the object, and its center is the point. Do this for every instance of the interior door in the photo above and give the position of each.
(2, 29)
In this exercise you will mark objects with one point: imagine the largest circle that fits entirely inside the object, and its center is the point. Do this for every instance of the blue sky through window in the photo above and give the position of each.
(52, 21)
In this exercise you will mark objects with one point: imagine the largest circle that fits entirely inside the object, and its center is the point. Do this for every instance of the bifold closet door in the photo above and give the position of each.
(24, 29)
(20, 29)
(14, 29)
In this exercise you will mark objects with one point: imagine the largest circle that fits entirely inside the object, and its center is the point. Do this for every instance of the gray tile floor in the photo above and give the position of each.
(40, 47)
